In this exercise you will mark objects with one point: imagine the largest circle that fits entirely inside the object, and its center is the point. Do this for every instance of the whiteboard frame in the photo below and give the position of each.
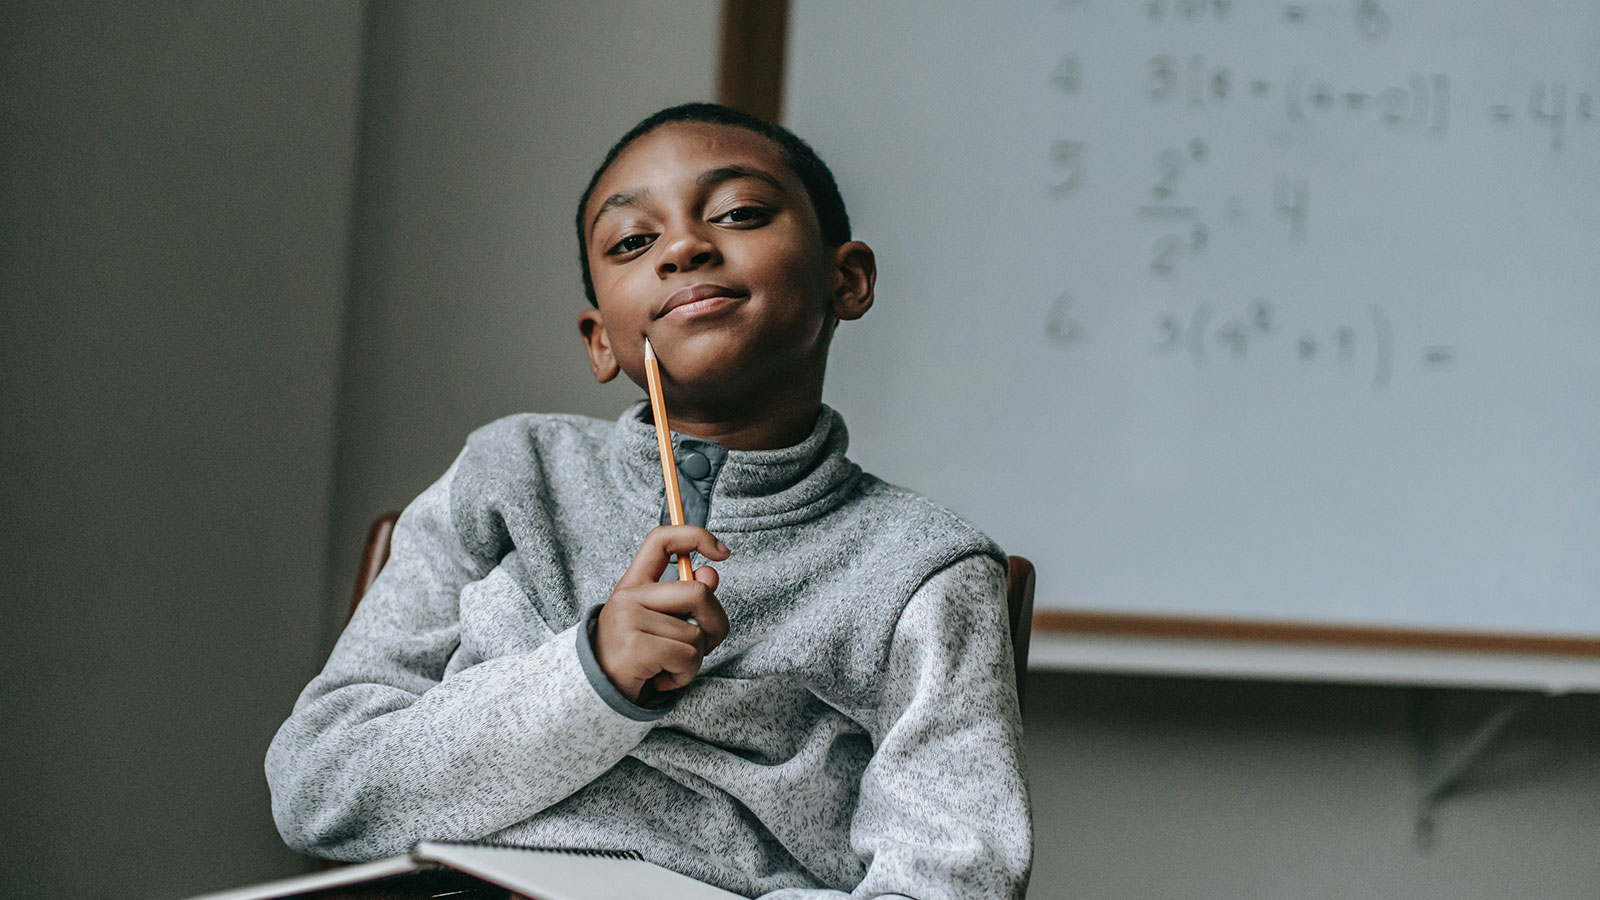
(1220, 648)
(1198, 656)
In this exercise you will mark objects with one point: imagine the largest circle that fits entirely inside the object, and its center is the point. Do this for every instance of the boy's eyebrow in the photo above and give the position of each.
(616, 201)
(714, 177)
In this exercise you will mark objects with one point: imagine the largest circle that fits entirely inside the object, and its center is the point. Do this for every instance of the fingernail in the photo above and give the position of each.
(721, 546)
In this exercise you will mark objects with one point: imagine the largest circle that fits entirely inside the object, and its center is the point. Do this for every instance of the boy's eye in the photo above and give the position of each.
(630, 243)
(742, 215)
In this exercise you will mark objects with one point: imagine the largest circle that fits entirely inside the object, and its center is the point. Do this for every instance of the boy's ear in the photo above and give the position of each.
(855, 272)
(597, 343)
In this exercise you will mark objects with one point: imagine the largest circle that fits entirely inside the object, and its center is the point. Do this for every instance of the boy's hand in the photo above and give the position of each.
(644, 639)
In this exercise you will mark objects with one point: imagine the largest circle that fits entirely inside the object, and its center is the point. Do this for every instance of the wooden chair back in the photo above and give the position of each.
(1019, 604)
(375, 554)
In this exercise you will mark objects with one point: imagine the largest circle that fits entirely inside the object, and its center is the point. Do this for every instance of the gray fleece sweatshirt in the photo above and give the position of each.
(857, 733)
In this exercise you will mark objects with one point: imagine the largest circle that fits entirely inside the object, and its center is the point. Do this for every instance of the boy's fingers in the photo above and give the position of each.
(678, 668)
(673, 663)
(667, 681)
(662, 543)
(707, 576)
(675, 598)
(650, 653)
(708, 617)
(672, 627)
(660, 608)
(713, 621)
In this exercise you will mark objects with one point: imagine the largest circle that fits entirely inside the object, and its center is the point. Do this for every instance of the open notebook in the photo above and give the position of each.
(473, 871)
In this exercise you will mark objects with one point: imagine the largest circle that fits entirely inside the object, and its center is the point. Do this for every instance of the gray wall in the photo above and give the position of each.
(1150, 787)
(262, 272)
(174, 193)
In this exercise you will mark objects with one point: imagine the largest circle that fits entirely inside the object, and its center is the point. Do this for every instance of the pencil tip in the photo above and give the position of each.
(649, 352)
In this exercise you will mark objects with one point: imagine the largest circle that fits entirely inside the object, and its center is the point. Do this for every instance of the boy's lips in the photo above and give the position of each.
(697, 296)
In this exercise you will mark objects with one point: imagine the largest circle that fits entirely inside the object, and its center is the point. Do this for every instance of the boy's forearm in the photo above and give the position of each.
(383, 749)
(366, 770)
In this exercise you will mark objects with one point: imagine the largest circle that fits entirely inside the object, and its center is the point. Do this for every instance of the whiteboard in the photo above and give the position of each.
(1267, 311)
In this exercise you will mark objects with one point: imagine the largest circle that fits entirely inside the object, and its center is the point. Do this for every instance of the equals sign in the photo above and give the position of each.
(1168, 212)
(1438, 356)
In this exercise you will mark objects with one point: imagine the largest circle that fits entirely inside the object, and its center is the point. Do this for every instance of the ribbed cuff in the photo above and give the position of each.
(602, 685)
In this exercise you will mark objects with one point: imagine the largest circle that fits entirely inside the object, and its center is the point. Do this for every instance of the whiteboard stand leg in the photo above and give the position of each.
(1439, 774)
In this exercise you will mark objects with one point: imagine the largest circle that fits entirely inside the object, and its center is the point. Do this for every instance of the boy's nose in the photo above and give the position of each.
(685, 253)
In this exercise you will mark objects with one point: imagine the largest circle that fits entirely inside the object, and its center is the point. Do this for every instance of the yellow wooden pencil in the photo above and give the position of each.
(669, 470)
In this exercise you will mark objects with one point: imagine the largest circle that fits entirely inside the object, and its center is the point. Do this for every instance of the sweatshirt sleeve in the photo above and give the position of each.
(943, 809)
(382, 750)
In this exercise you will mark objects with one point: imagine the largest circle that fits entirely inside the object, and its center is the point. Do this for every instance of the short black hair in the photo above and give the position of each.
(813, 173)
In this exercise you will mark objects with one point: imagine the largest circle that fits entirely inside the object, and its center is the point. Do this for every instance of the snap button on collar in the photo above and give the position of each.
(695, 465)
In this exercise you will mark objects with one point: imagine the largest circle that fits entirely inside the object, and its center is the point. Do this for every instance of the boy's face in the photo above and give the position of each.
(701, 238)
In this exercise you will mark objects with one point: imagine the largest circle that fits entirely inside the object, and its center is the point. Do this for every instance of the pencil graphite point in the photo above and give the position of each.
(649, 352)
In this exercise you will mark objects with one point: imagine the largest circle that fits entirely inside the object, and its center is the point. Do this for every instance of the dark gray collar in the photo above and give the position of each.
(744, 490)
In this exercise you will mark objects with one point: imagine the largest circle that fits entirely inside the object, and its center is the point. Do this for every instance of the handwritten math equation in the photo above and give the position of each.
(1233, 333)
(1421, 105)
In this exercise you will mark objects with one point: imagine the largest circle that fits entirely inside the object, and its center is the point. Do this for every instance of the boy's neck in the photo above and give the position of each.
(771, 428)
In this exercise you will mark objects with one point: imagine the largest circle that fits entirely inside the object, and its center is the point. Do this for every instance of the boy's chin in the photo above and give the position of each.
(695, 371)
(690, 387)
(716, 380)
(711, 395)
(722, 394)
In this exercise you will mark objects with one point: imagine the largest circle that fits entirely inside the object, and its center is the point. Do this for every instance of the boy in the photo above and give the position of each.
(830, 710)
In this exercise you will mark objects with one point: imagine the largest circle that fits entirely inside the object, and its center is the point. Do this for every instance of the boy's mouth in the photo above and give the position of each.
(700, 297)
